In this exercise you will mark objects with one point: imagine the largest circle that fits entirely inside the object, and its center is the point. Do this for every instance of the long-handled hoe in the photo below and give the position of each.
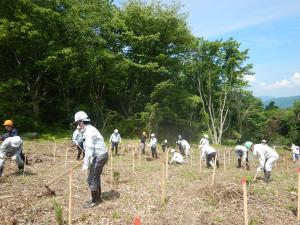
(51, 192)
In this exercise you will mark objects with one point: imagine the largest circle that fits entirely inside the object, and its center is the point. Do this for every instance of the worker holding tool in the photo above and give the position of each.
(266, 155)
(143, 142)
(242, 154)
(78, 141)
(115, 139)
(11, 148)
(95, 158)
(295, 152)
(204, 141)
(177, 158)
(11, 132)
(209, 153)
(164, 145)
(185, 147)
(153, 143)
(179, 143)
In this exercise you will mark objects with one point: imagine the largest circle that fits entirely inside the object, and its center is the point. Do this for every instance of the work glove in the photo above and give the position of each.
(258, 169)
(85, 167)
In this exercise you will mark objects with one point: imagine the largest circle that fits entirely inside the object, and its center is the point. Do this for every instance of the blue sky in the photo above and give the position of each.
(270, 29)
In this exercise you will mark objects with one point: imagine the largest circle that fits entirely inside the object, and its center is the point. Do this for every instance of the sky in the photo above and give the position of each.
(270, 29)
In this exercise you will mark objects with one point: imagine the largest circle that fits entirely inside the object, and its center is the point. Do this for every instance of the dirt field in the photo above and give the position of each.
(190, 199)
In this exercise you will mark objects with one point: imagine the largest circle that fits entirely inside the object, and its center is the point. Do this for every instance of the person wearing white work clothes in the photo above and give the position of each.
(209, 153)
(11, 148)
(78, 141)
(242, 154)
(204, 141)
(115, 139)
(153, 143)
(266, 155)
(295, 152)
(95, 158)
(186, 148)
(177, 158)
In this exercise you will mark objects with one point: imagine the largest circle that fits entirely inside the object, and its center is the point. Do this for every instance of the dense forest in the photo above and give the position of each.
(133, 67)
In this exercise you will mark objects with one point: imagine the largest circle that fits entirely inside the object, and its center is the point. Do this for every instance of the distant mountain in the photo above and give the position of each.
(281, 102)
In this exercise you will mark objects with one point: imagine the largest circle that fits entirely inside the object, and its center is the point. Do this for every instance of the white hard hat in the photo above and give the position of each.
(173, 150)
(205, 136)
(264, 141)
(166, 141)
(116, 131)
(16, 141)
(81, 116)
(152, 135)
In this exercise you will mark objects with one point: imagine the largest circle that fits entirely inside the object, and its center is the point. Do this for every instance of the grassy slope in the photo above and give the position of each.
(190, 198)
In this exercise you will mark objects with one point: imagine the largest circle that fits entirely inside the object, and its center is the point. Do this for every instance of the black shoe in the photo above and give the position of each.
(95, 200)
(267, 176)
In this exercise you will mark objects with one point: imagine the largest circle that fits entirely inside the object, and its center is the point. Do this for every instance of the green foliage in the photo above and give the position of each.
(58, 213)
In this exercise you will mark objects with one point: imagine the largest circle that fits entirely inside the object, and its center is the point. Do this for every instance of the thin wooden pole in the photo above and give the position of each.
(298, 211)
(245, 201)
(167, 163)
(54, 151)
(70, 196)
(200, 161)
(224, 159)
(214, 172)
(162, 181)
(191, 157)
(133, 159)
(229, 157)
(139, 157)
(111, 171)
(66, 159)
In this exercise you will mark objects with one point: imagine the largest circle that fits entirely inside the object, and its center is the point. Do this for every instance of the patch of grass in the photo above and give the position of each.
(254, 221)
(115, 215)
(58, 213)
(292, 189)
(190, 175)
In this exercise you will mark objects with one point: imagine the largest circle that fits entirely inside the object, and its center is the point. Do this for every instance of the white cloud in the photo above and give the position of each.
(296, 79)
(250, 78)
(292, 82)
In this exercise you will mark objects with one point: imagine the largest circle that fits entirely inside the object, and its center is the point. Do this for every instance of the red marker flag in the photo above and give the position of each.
(137, 220)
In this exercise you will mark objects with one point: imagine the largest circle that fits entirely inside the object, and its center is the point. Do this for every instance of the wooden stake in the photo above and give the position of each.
(139, 157)
(200, 161)
(54, 151)
(133, 159)
(229, 157)
(224, 161)
(162, 181)
(298, 211)
(66, 159)
(167, 163)
(111, 171)
(245, 201)
(70, 196)
(214, 172)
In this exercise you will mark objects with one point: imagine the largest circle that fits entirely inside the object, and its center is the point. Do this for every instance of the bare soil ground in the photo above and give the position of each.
(190, 198)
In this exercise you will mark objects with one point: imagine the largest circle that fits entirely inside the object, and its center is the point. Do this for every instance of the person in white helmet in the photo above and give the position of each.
(153, 143)
(266, 155)
(242, 154)
(295, 152)
(77, 140)
(177, 158)
(11, 148)
(264, 142)
(179, 143)
(115, 139)
(185, 147)
(164, 145)
(209, 153)
(95, 158)
(204, 141)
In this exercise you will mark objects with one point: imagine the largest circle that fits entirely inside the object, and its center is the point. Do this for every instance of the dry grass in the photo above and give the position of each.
(190, 199)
